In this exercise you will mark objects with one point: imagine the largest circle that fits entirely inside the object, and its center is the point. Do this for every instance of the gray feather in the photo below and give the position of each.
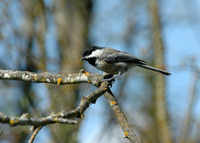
(154, 69)
(115, 56)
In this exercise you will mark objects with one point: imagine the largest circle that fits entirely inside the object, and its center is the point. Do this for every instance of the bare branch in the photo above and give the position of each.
(82, 77)
(62, 117)
(14, 121)
(128, 132)
(85, 102)
(187, 122)
(36, 131)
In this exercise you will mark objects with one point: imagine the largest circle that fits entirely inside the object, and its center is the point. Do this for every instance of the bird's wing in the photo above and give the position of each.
(122, 57)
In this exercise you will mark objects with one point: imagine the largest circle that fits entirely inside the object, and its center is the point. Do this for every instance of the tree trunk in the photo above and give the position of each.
(163, 131)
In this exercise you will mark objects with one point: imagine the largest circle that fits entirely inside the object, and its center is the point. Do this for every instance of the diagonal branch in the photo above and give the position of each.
(85, 102)
(128, 132)
(35, 132)
(63, 117)
(188, 121)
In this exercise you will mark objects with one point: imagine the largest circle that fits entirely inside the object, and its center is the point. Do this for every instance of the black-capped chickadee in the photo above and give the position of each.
(114, 62)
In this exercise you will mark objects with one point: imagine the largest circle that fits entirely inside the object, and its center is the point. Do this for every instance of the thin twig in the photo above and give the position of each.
(85, 102)
(187, 122)
(128, 132)
(36, 131)
(14, 121)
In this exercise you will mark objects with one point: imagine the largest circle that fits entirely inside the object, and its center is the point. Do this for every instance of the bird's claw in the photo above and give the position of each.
(110, 79)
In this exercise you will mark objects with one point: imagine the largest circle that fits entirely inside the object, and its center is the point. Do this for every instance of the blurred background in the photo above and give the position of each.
(50, 35)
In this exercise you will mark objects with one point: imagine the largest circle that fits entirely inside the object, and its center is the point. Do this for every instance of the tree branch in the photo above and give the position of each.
(188, 120)
(82, 77)
(63, 117)
(25, 120)
(85, 102)
(35, 132)
(128, 132)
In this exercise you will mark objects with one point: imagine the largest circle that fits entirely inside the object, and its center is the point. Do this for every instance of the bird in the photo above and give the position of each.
(114, 62)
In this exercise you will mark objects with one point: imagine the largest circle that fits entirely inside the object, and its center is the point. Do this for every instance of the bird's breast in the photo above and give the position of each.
(113, 68)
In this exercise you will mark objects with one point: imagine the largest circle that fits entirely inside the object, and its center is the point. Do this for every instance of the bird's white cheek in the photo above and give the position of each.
(95, 53)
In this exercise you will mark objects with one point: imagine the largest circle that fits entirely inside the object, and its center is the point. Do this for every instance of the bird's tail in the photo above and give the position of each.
(154, 69)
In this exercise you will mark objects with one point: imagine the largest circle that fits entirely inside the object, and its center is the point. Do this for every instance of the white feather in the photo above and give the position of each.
(95, 53)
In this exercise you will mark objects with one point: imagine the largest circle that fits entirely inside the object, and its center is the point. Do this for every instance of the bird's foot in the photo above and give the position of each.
(110, 78)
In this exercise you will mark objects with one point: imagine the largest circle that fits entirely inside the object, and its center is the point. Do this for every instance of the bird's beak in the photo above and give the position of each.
(83, 58)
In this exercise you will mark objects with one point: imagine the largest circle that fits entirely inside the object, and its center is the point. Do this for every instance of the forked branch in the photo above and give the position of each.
(66, 117)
